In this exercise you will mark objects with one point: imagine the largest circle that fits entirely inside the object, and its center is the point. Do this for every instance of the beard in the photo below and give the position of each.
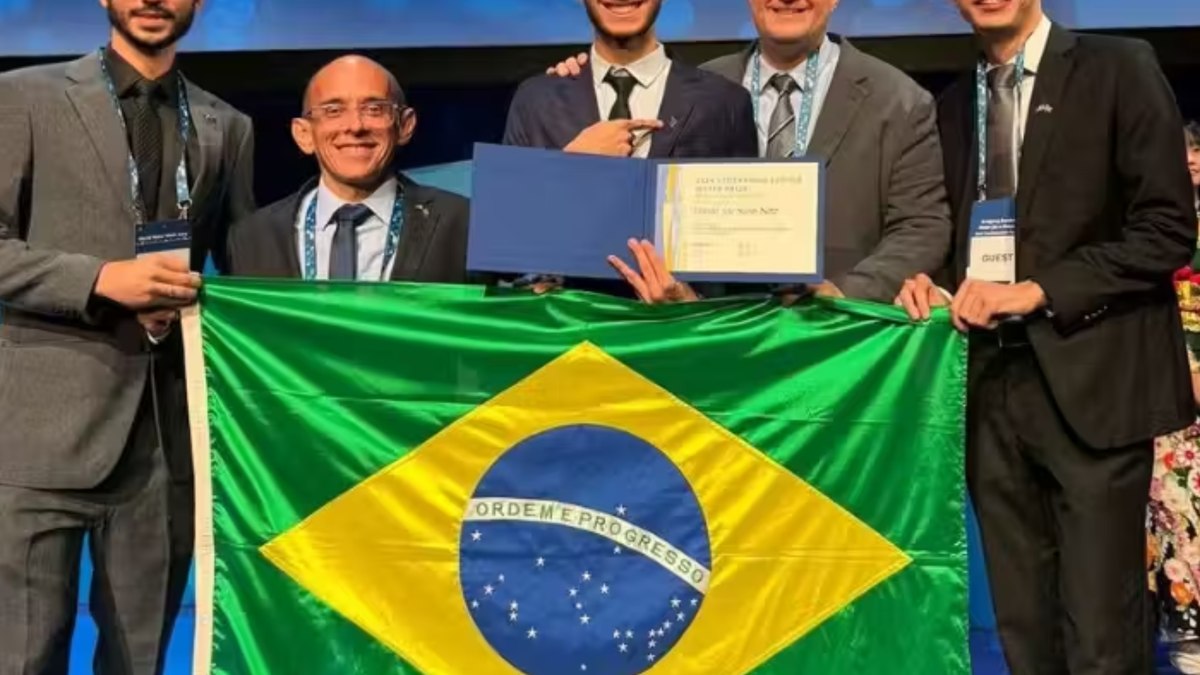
(180, 25)
(593, 15)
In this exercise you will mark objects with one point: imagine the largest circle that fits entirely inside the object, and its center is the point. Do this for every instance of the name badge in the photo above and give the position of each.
(173, 237)
(993, 244)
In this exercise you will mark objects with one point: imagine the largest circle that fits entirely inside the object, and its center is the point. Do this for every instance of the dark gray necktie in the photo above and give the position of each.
(343, 256)
(781, 132)
(146, 141)
(1001, 148)
(622, 82)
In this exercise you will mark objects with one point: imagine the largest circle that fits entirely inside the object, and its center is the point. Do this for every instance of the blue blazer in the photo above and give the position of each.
(705, 115)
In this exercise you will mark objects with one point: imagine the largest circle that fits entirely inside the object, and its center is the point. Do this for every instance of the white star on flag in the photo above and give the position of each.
(514, 606)
(628, 635)
(476, 535)
(623, 647)
(501, 578)
(585, 619)
(573, 592)
(616, 550)
(512, 616)
(653, 644)
(675, 602)
(532, 634)
(621, 509)
(679, 616)
(694, 601)
(487, 590)
(616, 635)
(604, 589)
(541, 562)
(660, 632)
(587, 576)
(579, 605)
(649, 657)
(667, 625)
(474, 604)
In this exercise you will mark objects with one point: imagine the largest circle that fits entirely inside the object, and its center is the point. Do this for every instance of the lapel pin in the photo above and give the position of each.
(674, 121)
(423, 209)
(210, 118)
(1045, 108)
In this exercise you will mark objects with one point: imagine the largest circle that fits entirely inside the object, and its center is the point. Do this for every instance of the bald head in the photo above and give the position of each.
(351, 72)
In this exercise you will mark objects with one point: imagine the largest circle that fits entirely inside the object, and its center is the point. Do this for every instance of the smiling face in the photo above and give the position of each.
(1192, 134)
(151, 25)
(792, 22)
(353, 123)
(623, 20)
(1001, 16)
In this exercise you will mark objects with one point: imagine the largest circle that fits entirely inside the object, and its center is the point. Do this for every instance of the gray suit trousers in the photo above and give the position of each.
(141, 556)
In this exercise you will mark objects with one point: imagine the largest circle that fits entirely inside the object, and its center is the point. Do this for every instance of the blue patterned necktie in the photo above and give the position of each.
(343, 257)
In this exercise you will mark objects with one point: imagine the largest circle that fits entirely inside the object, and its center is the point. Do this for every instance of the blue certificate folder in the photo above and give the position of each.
(536, 211)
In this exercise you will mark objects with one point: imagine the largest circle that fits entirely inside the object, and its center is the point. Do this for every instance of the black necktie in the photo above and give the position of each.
(1001, 114)
(146, 142)
(781, 131)
(623, 82)
(343, 257)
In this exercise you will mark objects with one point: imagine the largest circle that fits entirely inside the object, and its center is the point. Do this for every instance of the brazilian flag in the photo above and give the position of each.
(413, 479)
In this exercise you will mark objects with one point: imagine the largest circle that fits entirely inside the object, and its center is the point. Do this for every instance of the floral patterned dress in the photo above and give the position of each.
(1173, 520)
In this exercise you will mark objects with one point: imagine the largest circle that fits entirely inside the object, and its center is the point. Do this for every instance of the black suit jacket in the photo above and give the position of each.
(705, 116)
(1104, 217)
(432, 247)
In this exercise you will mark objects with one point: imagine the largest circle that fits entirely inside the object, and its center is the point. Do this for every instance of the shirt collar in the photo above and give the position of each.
(645, 70)
(380, 202)
(798, 73)
(125, 76)
(1035, 46)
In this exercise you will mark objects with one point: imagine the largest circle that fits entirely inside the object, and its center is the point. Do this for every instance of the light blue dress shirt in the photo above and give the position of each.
(828, 55)
(371, 235)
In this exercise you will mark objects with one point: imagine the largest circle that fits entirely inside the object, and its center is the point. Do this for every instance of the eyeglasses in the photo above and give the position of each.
(376, 113)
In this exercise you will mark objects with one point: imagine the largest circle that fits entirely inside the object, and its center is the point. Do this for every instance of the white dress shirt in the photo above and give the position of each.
(827, 56)
(371, 234)
(1035, 48)
(645, 101)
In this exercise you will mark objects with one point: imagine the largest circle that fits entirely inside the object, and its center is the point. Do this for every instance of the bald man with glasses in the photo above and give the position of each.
(360, 220)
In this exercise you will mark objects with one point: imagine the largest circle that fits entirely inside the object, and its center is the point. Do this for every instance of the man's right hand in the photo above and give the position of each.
(155, 281)
(919, 295)
(572, 67)
(615, 138)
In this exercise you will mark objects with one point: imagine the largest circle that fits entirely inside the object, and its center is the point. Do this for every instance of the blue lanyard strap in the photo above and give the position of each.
(981, 108)
(183, 195)
(808, 91)
(389, 251)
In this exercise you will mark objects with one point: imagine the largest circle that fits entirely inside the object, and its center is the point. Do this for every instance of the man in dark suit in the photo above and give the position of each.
(94, 438)
(1077, 354)
(632, 99)
(360, 220)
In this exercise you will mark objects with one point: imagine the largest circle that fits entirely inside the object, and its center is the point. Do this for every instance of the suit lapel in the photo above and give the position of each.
(847, 91)
(210, 139)
(674, 112)
(420, 223)
(579, 102)
(1051, 78)
(93, 104)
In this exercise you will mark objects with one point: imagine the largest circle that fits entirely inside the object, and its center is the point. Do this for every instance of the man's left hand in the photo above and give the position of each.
(982, 304)
(654, 284)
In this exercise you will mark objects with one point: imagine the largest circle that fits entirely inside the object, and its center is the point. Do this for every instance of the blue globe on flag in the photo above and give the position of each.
(584, 549)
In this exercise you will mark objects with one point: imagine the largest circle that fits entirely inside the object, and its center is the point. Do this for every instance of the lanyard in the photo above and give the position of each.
(183, 196)
(807, 94)
(310, 236)
(981, 105)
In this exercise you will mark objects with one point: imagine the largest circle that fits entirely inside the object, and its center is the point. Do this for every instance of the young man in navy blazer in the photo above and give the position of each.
(633, 100)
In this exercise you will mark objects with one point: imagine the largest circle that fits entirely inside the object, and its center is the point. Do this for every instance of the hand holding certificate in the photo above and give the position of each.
(547, 212)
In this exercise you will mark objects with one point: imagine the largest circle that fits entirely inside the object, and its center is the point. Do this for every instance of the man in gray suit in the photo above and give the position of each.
(93, 438)
(816, 94)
